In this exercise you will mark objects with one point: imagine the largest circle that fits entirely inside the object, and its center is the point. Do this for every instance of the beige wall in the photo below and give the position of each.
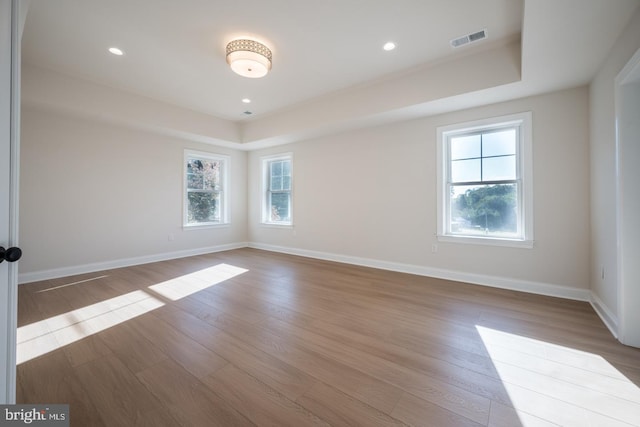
(47, 89)
(95, 193)
(371, 194)
(493, 65)
(603, 171)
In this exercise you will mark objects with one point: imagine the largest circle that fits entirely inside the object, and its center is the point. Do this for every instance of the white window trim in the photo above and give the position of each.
(525, 168)
(264, 209)
(224, 199)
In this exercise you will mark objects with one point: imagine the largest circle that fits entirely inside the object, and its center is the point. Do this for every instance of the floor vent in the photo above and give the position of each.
(469, 38)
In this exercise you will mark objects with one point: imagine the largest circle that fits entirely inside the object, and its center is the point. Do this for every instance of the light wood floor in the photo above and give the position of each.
(248, 337)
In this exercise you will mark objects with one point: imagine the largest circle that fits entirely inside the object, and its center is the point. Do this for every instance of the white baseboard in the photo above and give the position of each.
(608, 318)
(125, 262)
(477, 279)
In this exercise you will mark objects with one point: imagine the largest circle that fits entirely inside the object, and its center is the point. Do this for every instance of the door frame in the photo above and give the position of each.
(11, 8)
(627, 224)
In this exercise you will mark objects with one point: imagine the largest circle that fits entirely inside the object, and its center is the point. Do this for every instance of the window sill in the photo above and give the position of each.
(276, 225)
(487, 241)
(190, 227)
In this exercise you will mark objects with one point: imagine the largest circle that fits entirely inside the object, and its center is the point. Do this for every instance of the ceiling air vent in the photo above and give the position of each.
(469, 38)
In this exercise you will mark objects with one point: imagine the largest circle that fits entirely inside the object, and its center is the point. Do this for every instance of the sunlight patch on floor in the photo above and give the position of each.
(560, 384)
(79, 282)
(39, 338)
(44, 336)
(189, 284)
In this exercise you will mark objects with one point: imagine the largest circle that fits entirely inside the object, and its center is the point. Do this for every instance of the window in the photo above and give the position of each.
(276, 206)
(484, 182)
(205, 181)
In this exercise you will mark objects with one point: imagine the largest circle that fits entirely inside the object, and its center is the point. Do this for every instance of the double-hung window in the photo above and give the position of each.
(484, 181)
(277, 189)
(205, 189)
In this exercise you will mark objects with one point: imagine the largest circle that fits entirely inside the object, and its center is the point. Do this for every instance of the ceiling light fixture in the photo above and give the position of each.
(389, 46)
(246, 100)
(116, 51)
(249, 58)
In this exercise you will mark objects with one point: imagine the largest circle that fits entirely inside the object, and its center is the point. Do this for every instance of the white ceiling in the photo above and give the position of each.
(175, 49)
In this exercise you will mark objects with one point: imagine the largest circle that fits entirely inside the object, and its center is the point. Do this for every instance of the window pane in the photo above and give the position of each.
(286, 167)
(195, 177)
(499, 168)
(194, 181)
(286, 183)
(276, 183)
(276, 169)
(203, 207)
(190, 166)
(280, 203)
(484, 210)
(499, 143)
(465, 147)
(465, 170)
(211, 174)
(203, 174)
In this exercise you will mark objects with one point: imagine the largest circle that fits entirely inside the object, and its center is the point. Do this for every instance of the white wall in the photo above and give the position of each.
(371, 194)
(603, 171)
(94, 193)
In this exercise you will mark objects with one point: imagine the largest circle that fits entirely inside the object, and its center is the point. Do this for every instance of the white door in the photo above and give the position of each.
(9, 137)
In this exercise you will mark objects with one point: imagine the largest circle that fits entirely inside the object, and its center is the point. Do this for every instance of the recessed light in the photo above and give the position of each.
(246, 100)
(389, 46)
(116, 51)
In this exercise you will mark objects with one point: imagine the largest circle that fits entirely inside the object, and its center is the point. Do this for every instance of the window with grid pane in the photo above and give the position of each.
(277, 203)
(205, 192)
(484, 192)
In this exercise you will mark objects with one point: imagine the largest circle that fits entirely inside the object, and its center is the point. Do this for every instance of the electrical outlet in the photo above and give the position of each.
(171, 237)
(434, 248)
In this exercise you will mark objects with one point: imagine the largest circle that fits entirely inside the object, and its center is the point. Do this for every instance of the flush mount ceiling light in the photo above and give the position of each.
(249, 58)
(389, 46)
(116, 51)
